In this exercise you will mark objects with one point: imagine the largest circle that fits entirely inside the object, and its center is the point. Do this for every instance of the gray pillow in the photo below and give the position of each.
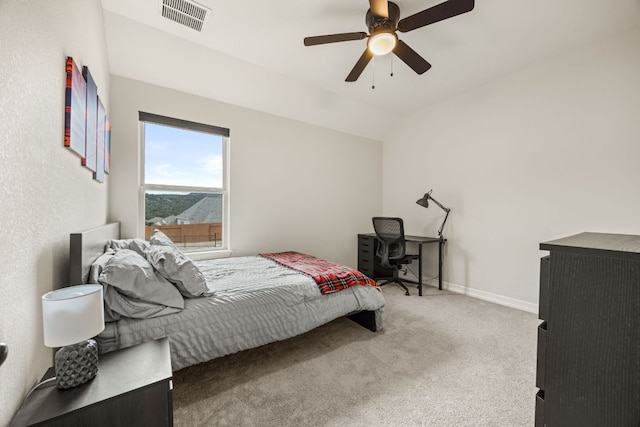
(161, 239)
(117, 306)
(174, 266)
(134, 289)
(137, 245)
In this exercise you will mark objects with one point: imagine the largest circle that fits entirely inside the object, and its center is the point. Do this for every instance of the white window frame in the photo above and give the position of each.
(143, 118)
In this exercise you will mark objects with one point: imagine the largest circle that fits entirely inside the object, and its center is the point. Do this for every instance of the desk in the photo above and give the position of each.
(369, 263)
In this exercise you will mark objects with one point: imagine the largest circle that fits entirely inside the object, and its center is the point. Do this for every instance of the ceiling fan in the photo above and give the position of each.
(383, 20)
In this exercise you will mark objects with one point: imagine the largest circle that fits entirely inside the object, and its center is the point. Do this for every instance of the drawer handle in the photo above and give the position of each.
(542, 356)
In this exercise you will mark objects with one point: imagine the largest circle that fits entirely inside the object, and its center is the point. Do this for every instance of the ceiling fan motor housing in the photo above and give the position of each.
(381, 23)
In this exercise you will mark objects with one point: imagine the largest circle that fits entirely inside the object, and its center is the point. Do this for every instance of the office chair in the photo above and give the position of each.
(392, 247)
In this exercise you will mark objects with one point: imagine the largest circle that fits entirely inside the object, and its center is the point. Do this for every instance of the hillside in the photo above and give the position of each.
(164, 205)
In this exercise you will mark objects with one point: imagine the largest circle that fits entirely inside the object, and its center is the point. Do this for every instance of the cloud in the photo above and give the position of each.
(212, 164)
(167, 171)
(208, 173)
(156, 145)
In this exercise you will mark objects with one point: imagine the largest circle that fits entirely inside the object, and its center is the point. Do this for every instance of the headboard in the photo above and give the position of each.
(85, 247)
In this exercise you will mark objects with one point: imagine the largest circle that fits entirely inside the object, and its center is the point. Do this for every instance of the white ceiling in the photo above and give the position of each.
(251, 53)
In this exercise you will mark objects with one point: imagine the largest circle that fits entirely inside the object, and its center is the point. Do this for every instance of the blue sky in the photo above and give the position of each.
(182, 157)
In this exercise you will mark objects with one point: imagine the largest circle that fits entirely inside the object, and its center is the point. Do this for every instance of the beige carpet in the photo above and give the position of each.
(442, 360)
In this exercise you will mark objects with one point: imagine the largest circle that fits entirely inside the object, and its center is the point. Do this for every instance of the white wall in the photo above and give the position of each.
(45, 192)
(293, 186)
(547, 152)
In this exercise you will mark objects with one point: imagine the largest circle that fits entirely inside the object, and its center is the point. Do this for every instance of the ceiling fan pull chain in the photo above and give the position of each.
(392, 66)
(373, 74)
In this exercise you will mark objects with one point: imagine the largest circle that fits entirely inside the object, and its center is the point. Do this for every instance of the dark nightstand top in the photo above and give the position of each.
(119, 372)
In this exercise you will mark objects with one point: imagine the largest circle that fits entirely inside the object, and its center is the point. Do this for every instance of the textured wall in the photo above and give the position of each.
(45, 193)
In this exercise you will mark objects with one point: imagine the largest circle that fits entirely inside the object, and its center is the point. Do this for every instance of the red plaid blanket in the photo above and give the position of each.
(330, 276)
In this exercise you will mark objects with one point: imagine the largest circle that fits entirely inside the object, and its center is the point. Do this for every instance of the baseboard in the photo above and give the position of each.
(486, 296)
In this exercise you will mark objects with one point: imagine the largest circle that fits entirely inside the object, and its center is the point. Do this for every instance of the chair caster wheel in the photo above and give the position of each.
(407, 293)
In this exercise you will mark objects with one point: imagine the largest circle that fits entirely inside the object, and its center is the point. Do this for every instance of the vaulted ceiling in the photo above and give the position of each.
(251, 53)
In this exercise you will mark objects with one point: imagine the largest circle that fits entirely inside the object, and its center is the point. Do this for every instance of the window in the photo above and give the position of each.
(184, 182)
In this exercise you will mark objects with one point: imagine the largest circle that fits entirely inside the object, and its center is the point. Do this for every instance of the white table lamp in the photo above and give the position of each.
(70, 317)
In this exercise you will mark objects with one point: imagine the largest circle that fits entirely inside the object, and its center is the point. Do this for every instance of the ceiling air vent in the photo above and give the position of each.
(185, 12)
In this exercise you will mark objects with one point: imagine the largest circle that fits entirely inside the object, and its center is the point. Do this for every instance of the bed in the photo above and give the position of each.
(250, 301)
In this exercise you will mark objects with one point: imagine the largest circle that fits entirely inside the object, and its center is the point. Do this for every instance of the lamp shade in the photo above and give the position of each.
(424, 202)
(72, 314)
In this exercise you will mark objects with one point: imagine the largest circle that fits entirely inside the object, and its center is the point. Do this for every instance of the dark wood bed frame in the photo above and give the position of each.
(86, 246)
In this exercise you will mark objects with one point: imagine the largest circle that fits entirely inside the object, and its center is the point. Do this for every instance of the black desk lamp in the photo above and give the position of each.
(424, 202)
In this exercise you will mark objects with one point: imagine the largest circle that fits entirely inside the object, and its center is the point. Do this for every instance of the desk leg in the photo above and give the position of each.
(440, 245)
(420, 269)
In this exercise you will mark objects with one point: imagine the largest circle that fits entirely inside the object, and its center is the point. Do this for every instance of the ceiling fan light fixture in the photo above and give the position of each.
(382, 43)
(383, 24)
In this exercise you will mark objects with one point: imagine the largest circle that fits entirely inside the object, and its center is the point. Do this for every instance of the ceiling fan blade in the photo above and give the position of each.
(411, 57)
(379, 8)
(360, 66)
(333, 38)
(437, 13)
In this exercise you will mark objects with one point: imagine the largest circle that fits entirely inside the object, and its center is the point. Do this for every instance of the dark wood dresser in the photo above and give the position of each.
(132, 388)
(588, 368)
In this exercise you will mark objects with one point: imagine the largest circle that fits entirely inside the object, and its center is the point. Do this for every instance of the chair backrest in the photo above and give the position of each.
(390, 235)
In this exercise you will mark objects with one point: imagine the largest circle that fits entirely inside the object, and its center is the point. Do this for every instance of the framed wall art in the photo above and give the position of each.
(87, 131)
(74, 109)
(91, 134)
(98, 175)
(107, 146)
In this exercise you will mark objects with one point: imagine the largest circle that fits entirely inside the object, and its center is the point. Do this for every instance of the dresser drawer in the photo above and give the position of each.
(366, 254)
(369, 273)
(366, 241)
(366, 245)
(543, 300)
(539, 422)
(368, 262)
(542, 355)
(366, 248)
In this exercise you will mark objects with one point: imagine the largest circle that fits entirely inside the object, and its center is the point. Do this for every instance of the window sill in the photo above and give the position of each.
(203, 255)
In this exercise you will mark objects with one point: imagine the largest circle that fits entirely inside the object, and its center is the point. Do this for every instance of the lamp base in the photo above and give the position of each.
(76, 364)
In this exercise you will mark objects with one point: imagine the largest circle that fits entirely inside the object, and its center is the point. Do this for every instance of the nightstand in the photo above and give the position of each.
(132, 388)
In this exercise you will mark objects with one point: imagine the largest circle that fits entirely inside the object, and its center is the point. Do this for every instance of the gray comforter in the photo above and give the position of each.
(255, 302)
